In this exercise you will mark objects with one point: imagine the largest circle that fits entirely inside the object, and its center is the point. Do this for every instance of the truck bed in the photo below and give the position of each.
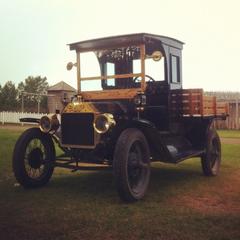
(193, 103)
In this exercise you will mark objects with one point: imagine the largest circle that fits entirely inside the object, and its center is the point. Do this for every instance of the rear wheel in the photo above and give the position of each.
(211, 160)
(33, 158)
(131, 165)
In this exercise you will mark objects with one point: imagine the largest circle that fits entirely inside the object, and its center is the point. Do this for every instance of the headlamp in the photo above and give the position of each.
(103, 122)
(140, 100)
(49, 123)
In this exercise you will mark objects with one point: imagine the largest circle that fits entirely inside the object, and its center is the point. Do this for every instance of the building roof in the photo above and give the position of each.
(62, 86)
(124, 40)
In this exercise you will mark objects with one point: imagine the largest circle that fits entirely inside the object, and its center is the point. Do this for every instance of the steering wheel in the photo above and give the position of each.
(138, 80)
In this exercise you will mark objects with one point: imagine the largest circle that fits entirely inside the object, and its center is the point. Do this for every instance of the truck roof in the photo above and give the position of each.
(124, 40)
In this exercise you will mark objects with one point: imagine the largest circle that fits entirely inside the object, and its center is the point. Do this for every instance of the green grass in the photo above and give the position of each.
(181, 203)
(229, 133)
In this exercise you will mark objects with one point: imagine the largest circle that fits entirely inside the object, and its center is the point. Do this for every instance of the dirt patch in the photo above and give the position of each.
(210, 204)
(224, 201)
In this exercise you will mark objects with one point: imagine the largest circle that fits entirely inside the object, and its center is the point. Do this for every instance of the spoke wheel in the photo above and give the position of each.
(33, 158)
(211, 160)
(131, 165)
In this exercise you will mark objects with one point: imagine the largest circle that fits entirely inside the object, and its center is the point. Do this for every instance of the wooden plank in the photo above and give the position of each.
(186, 98)
(192, 90)
(142, 57)
(191, 103)
(201, 110)
(78, 73)
(111, 94)
(111, 76)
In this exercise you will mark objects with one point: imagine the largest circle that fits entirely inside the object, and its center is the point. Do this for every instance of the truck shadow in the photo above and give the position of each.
(100, 184)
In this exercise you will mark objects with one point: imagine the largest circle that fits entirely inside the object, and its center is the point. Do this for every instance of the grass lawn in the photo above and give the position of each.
(181, 203)
(229, 133)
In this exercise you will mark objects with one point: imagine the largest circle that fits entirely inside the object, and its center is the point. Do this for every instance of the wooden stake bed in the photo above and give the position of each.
(192, 102)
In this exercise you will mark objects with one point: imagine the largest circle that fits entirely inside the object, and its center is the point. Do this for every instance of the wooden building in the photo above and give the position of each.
(233, 100)
(59, 95)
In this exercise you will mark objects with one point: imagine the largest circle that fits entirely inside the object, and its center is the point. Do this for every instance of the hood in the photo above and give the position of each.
(115, 108)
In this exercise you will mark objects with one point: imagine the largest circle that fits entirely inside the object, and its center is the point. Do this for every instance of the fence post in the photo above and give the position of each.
(1, 117)
(21, 117)
(237, 114)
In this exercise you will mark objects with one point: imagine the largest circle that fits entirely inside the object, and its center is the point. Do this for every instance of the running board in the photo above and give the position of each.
(177, 148)
(188, 154)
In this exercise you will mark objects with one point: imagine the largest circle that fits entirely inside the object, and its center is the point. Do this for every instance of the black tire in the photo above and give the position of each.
(131, 165)
(211, 160)
(33, 158)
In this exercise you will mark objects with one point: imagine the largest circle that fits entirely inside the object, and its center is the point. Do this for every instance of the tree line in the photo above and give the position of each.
(29, 95)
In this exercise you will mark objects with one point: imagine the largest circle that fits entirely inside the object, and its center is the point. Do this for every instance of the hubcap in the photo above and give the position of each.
(35, 159)
(137, 168)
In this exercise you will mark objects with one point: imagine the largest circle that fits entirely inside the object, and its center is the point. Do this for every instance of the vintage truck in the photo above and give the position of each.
(137, 114)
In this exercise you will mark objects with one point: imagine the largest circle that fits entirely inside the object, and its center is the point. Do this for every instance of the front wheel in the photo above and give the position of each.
(33, 158)
(131, 165)
(211, 160)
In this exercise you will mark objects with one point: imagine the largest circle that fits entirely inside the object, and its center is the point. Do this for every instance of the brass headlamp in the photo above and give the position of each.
(49, 123)
(103, 122)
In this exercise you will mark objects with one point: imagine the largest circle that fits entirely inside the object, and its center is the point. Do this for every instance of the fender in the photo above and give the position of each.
(156, 144)
(30, 120)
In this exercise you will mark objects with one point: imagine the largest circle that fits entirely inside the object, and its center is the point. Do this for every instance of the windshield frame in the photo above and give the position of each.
(123, 76)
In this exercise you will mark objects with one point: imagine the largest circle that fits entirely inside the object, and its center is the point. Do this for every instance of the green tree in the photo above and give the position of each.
(8, 97)
(30, 88)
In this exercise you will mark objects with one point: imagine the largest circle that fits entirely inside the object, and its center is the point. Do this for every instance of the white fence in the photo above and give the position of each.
(13, 117)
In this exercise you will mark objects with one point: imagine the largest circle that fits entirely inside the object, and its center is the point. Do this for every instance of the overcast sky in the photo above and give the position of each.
(34, 34)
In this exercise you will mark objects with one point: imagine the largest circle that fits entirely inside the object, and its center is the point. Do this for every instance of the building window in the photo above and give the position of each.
(175, 69)
(65, 95)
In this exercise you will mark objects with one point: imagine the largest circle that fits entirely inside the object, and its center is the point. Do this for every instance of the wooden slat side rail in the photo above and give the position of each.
(222, 108)
(215, 105)
(186, 101)
(209, 104)
(192, 102)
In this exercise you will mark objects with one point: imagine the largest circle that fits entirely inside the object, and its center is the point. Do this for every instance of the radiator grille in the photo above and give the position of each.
(77, 129)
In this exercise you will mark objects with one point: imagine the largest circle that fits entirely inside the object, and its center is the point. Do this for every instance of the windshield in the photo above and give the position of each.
(118, 68)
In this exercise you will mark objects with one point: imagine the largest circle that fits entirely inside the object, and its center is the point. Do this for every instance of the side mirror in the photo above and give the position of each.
(157, 56)
(70, 65)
